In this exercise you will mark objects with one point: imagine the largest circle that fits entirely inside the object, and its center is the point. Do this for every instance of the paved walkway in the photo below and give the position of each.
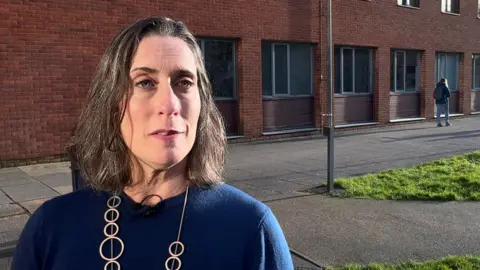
(336, 231)
(328, 230)
(279, 169)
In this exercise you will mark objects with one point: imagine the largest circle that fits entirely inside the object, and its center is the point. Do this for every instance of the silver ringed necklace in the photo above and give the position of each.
(112, 229)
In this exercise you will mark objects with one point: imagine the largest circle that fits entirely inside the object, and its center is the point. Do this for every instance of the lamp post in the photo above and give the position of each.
(330, 133)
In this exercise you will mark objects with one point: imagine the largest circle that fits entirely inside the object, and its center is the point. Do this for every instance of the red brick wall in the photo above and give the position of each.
(49, 50)
(385, 25)
(381, 93)
(465, 82)
(249, 89)
(427, 69)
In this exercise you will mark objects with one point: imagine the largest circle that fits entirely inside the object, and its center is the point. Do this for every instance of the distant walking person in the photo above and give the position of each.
(441, 95)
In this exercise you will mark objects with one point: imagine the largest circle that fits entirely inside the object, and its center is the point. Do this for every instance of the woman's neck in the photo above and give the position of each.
(166, 184)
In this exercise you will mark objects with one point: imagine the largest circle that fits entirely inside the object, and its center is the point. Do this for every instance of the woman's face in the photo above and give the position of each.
(161, 116)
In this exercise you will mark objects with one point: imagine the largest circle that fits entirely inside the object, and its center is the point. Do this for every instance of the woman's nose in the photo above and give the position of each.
(168, 102)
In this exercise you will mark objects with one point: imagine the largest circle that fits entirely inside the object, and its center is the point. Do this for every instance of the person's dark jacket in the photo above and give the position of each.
(446, 93)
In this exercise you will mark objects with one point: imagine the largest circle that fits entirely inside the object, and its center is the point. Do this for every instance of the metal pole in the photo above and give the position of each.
(330, 148)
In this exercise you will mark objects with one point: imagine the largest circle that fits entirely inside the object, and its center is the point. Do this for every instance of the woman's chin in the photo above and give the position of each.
(165, 163)
(161, 159)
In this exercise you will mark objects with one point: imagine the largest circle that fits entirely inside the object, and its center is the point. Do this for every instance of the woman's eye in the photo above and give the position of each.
(145, 84)
(185, 84)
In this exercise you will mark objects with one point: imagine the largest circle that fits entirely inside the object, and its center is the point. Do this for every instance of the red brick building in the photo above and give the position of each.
(267, 60)
(404, 47)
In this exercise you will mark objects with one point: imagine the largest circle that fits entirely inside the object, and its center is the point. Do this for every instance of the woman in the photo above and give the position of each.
(151, 144)
(441, 96)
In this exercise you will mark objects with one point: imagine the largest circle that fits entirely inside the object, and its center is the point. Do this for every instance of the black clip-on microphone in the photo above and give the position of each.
(151, 209)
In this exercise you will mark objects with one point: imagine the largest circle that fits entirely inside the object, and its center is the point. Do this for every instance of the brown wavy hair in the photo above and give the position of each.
(97, 147)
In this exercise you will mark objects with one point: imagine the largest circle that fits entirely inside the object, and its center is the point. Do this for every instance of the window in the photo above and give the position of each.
(409, 3)
(353, 70)
(451, 6)
(476, 72)
(220, 64)
(478, 9)
(448, 67)
(287, 69)
(405, 71)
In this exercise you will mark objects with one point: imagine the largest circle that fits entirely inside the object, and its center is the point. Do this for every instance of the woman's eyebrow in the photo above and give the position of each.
(145, 69)
(179, 72)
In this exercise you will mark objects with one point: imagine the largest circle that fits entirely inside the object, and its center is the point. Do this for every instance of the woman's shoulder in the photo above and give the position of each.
(228, 209)
(72, 202)
(63, 210)
(233, 197)
(226, 199)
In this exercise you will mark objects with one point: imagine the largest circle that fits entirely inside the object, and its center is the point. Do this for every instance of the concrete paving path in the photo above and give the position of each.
(337, 231)
(278, 173)
(279, 169)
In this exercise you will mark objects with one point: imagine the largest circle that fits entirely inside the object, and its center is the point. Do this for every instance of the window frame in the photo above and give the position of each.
(202, 40)
(393, 88)
(444, 7)
(437, 66)
(370, 56)
(475, 58)
(408, 4)
(478, 10)
(312, 71)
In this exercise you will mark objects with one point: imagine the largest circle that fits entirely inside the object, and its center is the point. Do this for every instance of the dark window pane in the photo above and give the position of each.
(220, 67)
(362, 71)
(400, 71)
(455, 6)
(281, 69)
(476, 75)
(392, 71)
(415, 3)
(411, 68)
(441, 66)
(447, 67)
(347, 70)
(267, 69)
(452, 71)
(300, 69)
(337, 66)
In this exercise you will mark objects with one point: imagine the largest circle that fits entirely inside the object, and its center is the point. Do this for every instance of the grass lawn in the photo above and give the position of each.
(448, 263)
(456, 178)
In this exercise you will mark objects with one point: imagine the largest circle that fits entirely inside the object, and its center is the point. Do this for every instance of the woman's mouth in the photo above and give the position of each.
(166, 134)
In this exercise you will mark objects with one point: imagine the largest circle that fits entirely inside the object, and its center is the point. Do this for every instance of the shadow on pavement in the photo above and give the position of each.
(301, 262)
(7, 249)
(459, 134)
